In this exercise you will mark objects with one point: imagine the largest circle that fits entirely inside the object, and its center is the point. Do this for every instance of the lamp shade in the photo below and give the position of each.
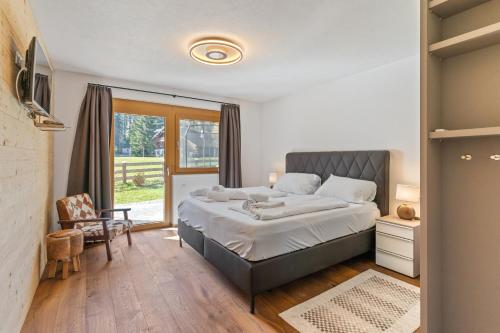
(407, 193)
(273, 178)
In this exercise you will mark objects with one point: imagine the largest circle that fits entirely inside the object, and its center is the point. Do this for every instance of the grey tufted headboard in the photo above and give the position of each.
(366, 165)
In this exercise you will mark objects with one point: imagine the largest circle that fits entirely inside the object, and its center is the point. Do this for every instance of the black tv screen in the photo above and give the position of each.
(38, 87)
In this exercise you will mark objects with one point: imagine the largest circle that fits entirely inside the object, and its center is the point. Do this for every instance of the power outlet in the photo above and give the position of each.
(18, 60)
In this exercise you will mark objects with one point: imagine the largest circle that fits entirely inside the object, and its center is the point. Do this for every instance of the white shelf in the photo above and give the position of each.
(465, 133)
(469, 41)
(446, 8)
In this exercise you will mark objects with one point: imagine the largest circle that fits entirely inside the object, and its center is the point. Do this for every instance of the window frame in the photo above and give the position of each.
(185, 113)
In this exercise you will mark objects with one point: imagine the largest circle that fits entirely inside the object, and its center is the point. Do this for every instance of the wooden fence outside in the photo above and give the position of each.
(124, 170)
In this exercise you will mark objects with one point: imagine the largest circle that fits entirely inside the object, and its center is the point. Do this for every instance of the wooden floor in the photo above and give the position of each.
(156, 286)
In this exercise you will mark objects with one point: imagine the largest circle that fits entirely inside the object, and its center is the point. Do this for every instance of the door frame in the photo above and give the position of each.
(156, 110)
(172, 115)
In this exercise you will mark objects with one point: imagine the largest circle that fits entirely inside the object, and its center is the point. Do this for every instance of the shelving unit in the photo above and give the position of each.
(446, 8)
(465, 133)
(460, 58)
(467, 42)
(49, 124)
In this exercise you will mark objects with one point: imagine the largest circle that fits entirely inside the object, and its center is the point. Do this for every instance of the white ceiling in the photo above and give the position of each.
(288, 44)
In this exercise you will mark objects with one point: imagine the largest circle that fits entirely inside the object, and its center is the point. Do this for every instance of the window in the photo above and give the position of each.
(198, 144)
(197, 141)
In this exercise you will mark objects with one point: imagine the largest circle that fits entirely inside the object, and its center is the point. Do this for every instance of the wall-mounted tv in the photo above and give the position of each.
(37, 80)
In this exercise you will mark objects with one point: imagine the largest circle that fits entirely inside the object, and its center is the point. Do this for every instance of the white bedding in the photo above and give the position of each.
(257, 240)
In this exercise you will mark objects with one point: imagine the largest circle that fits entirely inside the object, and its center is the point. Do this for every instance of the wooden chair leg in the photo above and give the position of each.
(51, 269)
(108, 250)
(129, 238)
(79, 262)
(76, 267)
(65, 267)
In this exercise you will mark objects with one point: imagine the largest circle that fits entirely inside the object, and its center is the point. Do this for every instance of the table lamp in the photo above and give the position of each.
(407, 193)
(273, 178)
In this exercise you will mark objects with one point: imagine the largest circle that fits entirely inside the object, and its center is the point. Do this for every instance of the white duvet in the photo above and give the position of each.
(257, 240)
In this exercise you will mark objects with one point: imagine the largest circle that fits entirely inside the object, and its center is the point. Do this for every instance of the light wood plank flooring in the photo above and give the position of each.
(155, 286)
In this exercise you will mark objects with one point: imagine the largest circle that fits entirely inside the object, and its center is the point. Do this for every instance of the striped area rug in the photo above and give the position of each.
(369, 302)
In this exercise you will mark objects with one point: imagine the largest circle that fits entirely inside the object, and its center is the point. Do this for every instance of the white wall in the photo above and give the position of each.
(183, 184)
(376, 109)
(70, 87)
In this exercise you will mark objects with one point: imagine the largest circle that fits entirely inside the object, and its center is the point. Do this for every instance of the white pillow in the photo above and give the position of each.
(348, 189)
(298, 183)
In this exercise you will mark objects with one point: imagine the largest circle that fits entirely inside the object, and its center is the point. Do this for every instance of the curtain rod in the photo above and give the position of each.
(162, 93)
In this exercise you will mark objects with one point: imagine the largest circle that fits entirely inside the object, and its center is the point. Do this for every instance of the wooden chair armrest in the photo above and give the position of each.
(98, 219)
(113, 210)
(106, 210)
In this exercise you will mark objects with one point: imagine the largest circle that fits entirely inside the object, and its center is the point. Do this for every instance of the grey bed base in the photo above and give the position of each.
(254, 277)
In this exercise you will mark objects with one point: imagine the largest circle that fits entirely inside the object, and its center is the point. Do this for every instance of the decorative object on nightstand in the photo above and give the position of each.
(273, 178)
(398, 245)
(407, 193)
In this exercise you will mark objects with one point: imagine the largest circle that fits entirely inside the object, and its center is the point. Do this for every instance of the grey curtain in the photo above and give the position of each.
(90, 170)
(230, 146)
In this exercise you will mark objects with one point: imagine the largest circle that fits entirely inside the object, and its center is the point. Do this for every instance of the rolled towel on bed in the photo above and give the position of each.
(201, 192)
(259, 197)
(218, 188)
(268, 204)
(218, 196)
(252, 204)
(247, 204)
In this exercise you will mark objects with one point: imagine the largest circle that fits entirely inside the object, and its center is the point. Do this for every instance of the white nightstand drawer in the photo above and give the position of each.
(394, 244)
(396, 230)
(395, 262)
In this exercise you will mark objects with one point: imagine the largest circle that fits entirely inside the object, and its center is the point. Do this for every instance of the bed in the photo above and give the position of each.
(261, 256)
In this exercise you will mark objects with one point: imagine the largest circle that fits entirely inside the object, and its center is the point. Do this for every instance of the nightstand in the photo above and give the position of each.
(397, 243)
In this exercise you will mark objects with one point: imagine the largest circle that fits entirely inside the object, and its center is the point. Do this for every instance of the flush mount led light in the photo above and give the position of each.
(216, 51)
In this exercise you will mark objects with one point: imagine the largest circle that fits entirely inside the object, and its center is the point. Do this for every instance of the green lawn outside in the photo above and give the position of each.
(129, 193)
(152, 189)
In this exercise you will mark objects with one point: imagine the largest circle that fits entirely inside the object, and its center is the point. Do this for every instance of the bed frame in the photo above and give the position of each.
(254, 277)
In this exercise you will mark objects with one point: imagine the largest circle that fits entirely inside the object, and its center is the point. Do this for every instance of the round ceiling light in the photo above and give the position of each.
(215, 51)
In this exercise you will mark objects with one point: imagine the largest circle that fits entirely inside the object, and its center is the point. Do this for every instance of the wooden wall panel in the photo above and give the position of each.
(25, 177)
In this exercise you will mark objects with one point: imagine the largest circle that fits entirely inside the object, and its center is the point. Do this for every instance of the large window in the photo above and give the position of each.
(197, 141)
(198, 144)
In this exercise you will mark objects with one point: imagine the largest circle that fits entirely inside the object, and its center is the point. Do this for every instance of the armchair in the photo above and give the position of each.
(78, 212)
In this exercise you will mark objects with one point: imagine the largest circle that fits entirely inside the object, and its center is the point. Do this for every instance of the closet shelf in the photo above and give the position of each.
(465, 133)
(446, 8)
(469, 41)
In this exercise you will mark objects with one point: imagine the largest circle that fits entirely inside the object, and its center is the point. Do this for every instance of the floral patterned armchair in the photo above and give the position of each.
(77, 211)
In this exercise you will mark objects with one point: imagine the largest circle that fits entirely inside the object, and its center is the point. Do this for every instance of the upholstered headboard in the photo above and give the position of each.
(366, 165)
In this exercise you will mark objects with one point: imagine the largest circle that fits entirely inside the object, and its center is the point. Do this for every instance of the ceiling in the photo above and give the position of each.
(288, 44)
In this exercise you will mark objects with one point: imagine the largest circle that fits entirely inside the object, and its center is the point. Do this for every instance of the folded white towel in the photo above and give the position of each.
(291, 209)
(237, 194)
(252, 204)
(218, 196)
(259, 197)
(202, 192)
(299, 208)
(243, 211)
(218, 188)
